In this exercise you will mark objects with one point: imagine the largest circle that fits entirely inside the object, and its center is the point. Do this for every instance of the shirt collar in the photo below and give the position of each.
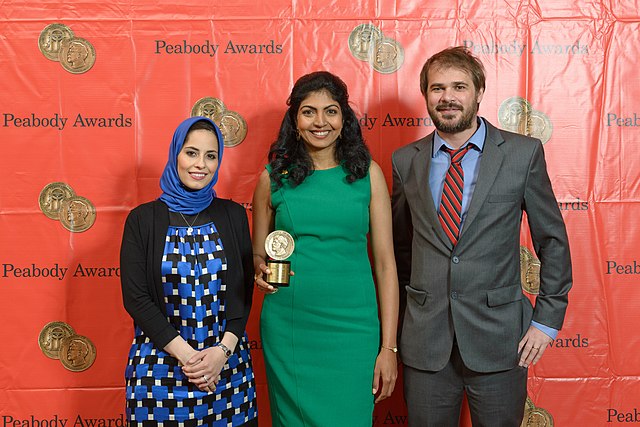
(476, 139)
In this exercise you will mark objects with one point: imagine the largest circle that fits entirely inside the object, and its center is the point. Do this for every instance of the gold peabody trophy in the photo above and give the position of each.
(279, 246)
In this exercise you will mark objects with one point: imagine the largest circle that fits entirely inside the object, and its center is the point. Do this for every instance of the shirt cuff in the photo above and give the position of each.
(553, 333)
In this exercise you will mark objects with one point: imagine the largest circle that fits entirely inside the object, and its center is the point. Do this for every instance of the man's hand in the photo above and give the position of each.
(532, 346)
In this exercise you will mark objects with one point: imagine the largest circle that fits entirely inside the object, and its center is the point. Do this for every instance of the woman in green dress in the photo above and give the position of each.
(328, 355)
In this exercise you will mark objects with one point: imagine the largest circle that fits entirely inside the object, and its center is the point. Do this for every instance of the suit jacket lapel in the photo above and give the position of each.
(492, 157)
(420, 167)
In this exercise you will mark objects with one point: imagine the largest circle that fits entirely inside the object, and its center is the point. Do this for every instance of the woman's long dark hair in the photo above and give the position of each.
(288, 156)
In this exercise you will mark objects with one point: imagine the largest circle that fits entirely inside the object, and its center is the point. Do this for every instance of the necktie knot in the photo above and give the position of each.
(457, 155)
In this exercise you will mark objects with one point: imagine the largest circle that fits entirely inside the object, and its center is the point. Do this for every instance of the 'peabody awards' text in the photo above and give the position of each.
(55, 271)
(56, 421)
(57, 121)
(184, 47)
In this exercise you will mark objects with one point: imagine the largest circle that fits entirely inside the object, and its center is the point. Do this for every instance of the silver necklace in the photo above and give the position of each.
(190, 229)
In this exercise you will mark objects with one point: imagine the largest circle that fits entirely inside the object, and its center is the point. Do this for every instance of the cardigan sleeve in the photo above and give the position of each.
(241, 279)
(136, 277)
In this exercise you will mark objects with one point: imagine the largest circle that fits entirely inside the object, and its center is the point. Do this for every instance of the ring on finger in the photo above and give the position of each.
(205, 379)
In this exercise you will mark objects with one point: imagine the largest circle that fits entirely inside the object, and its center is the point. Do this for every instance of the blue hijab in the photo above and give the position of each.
(174, 193)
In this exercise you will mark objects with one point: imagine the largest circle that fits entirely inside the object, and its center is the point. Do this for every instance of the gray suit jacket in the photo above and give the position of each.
(473, 291)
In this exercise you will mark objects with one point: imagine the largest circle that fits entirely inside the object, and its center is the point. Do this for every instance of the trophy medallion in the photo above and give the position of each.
(279, 246)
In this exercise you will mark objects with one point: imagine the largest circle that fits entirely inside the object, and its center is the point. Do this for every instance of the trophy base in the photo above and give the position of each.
(279, 275)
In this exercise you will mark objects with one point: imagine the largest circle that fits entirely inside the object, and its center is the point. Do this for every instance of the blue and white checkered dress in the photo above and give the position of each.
(158, 393)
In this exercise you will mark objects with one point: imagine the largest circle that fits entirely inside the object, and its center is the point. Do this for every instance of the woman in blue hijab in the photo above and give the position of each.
(187, 281)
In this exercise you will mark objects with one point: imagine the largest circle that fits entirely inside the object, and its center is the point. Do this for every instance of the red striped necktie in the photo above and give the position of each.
(451, 202)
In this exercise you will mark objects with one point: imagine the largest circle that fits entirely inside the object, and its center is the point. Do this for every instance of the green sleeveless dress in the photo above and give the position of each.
(320, 335)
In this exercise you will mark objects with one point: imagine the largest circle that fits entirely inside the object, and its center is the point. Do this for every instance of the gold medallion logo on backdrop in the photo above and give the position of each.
(51, 38)
(77, 214)
(51, 336)
(388, 56)
(51, 198)
(535, 416)
(77, 55)
(231, 124)
(77, 353)
(368, 43)
(529, 271)
(212, 108)
(59, 341)
(516, 114)
(59, 202)
(57, 42)
(362, 41)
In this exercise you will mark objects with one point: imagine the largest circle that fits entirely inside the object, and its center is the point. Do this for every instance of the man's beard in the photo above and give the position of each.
(465, 122)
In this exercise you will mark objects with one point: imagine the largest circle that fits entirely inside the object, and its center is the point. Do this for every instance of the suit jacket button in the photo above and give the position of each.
(455, 259)
(454, 295)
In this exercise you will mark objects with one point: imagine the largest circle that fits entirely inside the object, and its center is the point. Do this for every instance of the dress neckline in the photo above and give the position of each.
(328, 169)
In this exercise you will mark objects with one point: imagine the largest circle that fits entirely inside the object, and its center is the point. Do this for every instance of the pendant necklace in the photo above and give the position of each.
(190, 226)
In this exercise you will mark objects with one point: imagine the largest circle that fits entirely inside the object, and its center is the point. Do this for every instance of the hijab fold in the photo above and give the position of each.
(174, 193)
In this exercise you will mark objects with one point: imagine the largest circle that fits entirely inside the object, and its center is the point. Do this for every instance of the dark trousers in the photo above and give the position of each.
(495, 399)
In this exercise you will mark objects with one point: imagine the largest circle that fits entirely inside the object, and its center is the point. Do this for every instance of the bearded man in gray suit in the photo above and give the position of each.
(467, 326)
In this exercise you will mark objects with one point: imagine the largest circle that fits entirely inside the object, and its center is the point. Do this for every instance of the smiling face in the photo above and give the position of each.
(319, 121)
(198, 159)
(452, 100)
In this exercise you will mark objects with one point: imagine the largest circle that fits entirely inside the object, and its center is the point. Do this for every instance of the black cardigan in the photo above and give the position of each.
(141, 256)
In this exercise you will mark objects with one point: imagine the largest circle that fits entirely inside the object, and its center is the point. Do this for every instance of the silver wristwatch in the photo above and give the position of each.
(227, 352)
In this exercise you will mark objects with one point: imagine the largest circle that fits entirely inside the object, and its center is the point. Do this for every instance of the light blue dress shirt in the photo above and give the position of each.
(470, 165)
